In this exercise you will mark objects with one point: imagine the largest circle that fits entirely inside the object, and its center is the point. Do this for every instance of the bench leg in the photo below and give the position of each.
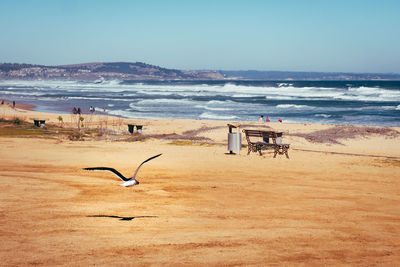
(258, 148)
(276, 150)
(286, 153)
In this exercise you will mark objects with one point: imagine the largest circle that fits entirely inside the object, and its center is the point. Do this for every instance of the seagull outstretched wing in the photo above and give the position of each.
(123, 178)
(144, 163)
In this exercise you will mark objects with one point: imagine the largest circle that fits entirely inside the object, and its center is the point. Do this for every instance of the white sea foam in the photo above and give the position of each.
(22, 93)
(398, 107)
(165, 101)
(122, 113)
(218, 102)
(323, 115)
(212, 116)
(97, 98)
(246, 95)
(136, 107)
(99, 109)
(363, 93)
(283, 91)
(292, 106)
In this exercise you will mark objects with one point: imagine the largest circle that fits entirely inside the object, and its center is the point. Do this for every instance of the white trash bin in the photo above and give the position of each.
(234, 142)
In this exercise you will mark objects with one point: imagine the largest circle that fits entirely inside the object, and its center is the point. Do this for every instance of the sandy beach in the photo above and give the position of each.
(336, 201)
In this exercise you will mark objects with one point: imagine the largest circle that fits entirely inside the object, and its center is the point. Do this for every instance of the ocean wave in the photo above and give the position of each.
(22, 93)
(98, 98)
(284, 84)
(165, 101)
(282, 91)
(136, 107)
(122, 113)
(219, 102)
(246, 95)
(323, 115)
(364, 93)
(100, 109)
(212, 108)
(212, 116)
(292, 106)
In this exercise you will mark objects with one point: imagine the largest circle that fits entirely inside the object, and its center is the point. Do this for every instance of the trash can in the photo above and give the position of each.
(234, 140)
(139, 128)
(131, 128)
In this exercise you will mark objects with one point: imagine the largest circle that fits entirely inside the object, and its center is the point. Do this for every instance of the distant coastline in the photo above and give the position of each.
(100, 71)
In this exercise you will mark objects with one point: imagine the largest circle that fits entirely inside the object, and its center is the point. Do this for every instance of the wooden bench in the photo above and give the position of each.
(265, 143)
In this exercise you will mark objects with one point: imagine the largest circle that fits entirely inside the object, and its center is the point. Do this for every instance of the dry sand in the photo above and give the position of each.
(332, 203)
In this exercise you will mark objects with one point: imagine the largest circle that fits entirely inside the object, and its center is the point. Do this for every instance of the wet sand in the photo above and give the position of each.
(329, 204)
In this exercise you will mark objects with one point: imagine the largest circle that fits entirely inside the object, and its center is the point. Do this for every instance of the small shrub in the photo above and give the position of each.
(76, 136)
(17, 121)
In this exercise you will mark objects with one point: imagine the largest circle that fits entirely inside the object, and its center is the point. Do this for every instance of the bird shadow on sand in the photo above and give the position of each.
(121, 218)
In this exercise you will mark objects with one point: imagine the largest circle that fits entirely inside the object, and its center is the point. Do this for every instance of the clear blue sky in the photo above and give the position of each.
(320, 35)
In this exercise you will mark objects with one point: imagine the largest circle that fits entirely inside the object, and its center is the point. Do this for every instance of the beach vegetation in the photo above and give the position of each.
(190, 143)
(332, 135)
(17, 121)
(389, 162)
(135, 138)
(76, 136)
(60, 121)
(80, 121)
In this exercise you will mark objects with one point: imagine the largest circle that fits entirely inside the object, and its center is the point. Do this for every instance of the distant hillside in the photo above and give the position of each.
(292, 75)
(108, 71)
(143, 71)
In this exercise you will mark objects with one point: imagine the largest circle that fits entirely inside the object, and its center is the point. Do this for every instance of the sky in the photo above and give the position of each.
(285, 35)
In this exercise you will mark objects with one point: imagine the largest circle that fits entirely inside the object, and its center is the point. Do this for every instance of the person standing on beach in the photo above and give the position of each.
(261, 118)
(267, 119)
(13, 104)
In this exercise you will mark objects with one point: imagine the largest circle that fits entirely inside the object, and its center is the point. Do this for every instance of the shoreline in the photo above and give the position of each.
(19, 105)
(32, 107)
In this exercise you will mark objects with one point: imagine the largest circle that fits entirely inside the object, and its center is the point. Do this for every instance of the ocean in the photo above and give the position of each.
(373, 103)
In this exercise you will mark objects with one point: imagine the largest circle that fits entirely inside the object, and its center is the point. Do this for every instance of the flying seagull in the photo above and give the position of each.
(127, 181)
